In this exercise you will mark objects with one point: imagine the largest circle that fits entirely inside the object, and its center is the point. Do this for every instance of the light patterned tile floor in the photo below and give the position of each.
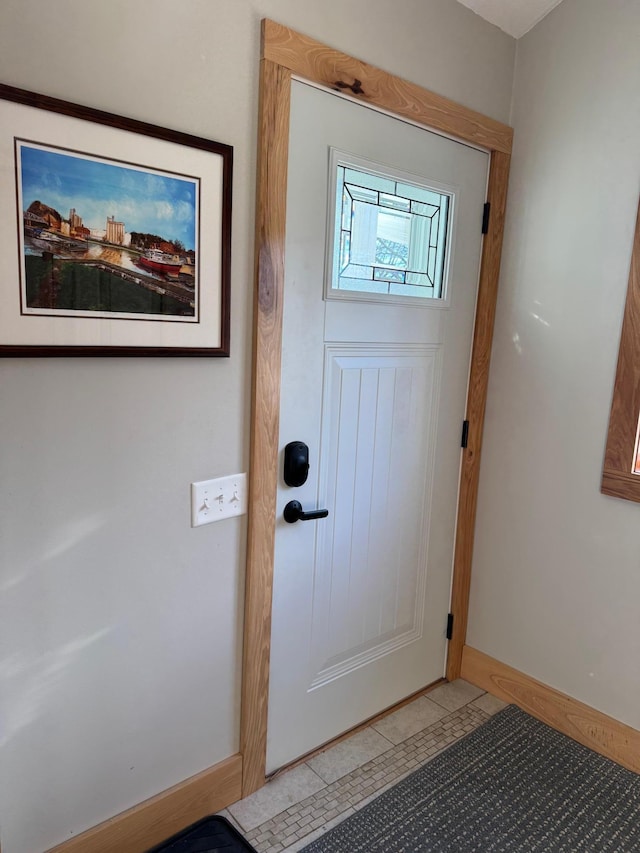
(302, 803)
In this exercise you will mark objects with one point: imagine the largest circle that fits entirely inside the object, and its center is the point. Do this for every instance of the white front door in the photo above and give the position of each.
(376, 349)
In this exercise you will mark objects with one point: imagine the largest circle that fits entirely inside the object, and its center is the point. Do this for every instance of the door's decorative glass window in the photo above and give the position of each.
(390, 236)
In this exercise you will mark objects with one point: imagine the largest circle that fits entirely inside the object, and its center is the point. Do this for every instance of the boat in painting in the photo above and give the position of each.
(159, 261)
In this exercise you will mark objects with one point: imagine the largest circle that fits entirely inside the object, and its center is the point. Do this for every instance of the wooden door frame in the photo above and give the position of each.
(284, 54)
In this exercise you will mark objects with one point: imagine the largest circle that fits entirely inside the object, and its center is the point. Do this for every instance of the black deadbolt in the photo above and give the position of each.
(296, 463)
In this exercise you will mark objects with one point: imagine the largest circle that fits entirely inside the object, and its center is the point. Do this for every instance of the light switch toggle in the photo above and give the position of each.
(213, 500)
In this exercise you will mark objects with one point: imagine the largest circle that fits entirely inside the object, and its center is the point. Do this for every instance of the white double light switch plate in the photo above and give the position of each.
(213, 500)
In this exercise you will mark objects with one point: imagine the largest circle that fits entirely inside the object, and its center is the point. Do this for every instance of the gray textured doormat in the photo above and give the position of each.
(512, 785)
(210, 835)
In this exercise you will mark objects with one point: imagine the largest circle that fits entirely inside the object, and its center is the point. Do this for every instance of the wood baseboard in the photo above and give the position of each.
(589, 727)
(160, 817)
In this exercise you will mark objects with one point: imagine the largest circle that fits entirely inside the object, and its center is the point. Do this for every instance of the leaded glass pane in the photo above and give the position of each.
(363, 194)
(381, 274)
(346, 210)
(419, 278)
(419, 193)
(365, 286)
(391, 236)
(366, 179)
(423, 209)
(345, 243)
(431, 266)
(357, 271)
(395, 201)
(427, 292)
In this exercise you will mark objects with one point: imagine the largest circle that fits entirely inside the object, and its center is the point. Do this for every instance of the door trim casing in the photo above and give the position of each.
(285, 53)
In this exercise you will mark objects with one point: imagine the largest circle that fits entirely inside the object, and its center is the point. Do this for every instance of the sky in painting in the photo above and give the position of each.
(146, 201)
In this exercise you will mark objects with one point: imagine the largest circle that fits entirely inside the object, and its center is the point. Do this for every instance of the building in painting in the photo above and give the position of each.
(48, 215)
(75, 221)
(115, 231)
(33, 221)
(76, 228)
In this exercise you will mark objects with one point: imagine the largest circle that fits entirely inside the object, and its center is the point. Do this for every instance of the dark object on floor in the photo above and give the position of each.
(510, 786)
(211, 835)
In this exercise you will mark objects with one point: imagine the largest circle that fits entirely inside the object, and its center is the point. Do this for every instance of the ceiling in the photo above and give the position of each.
(515, 17)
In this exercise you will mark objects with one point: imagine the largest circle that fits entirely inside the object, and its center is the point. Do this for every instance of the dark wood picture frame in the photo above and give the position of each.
(622, 451)
(184, 297)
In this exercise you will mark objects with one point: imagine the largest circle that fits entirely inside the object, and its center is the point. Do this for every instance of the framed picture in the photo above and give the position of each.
(115, 234)
(621, 470)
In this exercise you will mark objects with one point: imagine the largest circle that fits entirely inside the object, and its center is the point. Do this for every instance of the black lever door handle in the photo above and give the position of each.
(293, 512)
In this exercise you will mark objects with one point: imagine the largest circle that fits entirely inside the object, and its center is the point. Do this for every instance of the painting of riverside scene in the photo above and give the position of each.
(101, 238)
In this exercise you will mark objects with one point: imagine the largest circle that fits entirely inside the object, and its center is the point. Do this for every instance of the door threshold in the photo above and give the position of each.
(328, 744)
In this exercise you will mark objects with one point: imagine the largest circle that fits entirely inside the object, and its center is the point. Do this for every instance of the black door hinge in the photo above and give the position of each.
(486, 213)
(449, 626)
(465, 434)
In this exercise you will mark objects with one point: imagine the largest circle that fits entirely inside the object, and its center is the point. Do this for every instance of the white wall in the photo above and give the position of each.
(120, 626)
(556, 576)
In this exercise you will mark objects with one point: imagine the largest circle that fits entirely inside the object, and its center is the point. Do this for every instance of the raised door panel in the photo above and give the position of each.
(370, 566)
